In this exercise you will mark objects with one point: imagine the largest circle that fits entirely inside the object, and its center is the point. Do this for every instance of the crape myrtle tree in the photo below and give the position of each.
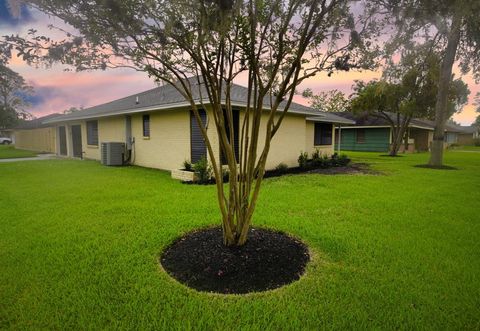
(274, 44)
(13, 94)
(454, 27)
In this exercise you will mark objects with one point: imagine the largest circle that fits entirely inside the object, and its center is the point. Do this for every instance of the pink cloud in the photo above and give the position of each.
(72, 89)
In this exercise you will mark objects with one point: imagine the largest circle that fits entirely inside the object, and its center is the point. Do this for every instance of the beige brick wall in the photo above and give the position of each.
(38, 140)
(294, 136)
(111, 129)
(169, 142)
(287, 143)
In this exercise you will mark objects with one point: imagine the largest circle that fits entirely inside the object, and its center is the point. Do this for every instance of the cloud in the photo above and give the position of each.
(58, 91)
(8, 19)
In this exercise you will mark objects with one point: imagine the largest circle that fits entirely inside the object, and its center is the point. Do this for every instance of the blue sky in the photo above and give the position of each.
(7, 19)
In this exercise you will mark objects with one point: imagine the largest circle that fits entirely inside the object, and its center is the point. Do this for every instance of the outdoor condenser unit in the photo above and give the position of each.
(113, 153)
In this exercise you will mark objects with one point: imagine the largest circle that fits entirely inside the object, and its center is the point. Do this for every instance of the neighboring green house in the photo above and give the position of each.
(373, 134)
(364, 139)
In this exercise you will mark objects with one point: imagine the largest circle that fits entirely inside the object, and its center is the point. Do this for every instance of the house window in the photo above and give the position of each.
(360, 136)
(322, 134)
(146, 125)
(92, 133)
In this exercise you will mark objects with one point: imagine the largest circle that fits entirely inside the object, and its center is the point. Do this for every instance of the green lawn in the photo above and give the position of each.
(79, 248)
(470, 148)
(10, 152)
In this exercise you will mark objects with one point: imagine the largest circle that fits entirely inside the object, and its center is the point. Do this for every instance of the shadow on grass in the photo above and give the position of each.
(443, 167)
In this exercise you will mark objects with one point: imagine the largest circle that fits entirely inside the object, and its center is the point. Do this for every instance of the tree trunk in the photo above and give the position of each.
(399, 131)
(436, 157)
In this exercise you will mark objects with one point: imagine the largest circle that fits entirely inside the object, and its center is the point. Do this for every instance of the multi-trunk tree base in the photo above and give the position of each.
(268, 260)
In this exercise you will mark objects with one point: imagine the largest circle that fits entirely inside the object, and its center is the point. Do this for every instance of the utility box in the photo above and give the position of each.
(113, 153)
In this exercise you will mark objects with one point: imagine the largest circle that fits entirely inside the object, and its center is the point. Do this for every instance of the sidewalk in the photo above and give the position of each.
(36, 158)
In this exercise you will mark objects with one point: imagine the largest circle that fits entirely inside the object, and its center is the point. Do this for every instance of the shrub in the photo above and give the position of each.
(325, 162)
(315, 155)
(303, 160)
(225, 175)
(476, 141)
(343, 160)
(281, 168)
(203, 171)
(187, 165)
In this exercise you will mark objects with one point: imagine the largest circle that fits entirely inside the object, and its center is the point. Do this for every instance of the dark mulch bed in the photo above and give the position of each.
(268, 260)
(354, 168)
(427, 166)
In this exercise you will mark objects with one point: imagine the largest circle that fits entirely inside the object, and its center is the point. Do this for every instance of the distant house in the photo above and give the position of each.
(467, 135)
(373, 133)
(160, 131)
(35, 135)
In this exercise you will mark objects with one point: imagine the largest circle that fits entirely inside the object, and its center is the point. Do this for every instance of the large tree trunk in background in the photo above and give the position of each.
(436, 157)
(397, 140)
(399, 131)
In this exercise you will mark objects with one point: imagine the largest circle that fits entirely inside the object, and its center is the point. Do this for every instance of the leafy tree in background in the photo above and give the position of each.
(387, 101)
(477, 120)
(72, 110)
(330, 101)
(13, 93)
(275, 44)
(407, 90)
(453, 27)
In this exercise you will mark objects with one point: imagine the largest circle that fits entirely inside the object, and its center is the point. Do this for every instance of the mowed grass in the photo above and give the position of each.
(10, 152)
(79, 248)
(470, 148)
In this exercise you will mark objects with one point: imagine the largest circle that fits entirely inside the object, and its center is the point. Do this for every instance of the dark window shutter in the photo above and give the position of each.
(236, 141)
(92, 133)
(63, 140)
(146, 125)
(198, 148)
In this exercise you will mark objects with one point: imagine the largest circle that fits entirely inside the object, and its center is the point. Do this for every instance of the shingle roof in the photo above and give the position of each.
(461, 129)
(36, 123)
(364, 119)
(167, 97)
(331, 118)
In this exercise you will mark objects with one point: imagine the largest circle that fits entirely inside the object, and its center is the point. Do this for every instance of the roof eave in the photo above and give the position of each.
(322, 118)
(151, 108)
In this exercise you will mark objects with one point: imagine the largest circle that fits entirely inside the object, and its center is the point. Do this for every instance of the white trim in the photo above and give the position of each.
(366, 127)
(321, 119)
(420, 127)
(383, 126)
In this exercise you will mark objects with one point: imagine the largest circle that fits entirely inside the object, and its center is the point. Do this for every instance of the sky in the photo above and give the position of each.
(57, 90)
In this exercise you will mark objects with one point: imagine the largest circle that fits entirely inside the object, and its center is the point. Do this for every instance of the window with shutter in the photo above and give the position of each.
(92, 133)
(146, 125)
(322, 134)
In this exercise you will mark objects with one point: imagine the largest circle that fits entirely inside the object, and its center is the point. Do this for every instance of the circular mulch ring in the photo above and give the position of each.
(268, 260)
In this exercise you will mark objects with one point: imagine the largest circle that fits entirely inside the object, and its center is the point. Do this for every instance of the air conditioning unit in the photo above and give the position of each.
(113, 153)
